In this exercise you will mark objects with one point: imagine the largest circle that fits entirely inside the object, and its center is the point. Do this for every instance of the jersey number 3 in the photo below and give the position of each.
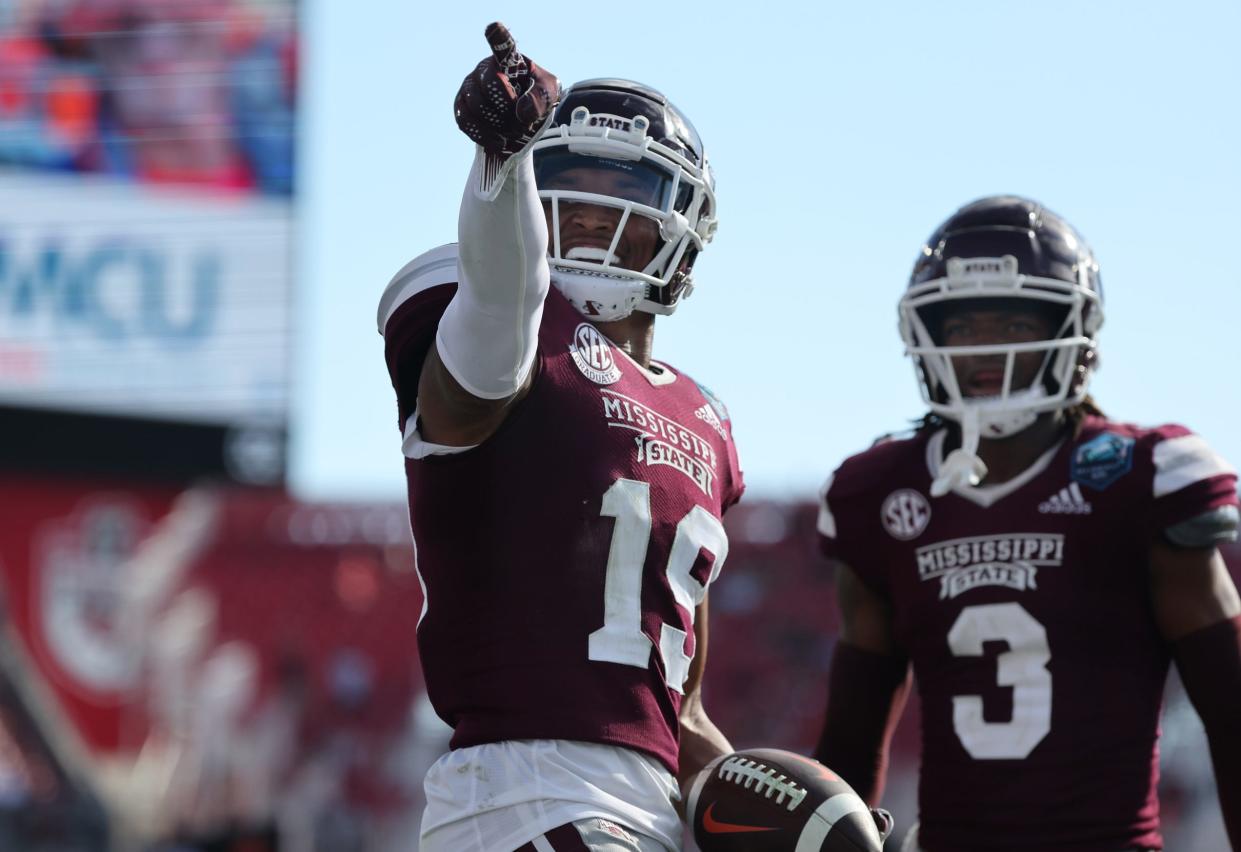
(620, 639)
(1023, 667)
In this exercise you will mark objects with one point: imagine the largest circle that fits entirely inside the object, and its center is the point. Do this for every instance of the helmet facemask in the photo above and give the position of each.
(1063, 372)
(653, 188)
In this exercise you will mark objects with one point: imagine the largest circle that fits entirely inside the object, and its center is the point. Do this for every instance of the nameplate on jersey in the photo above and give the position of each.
(662, 441)
(1010, 560)
(593, 355)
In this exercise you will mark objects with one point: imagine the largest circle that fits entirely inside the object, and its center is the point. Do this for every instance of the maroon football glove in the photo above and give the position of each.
(503, 103)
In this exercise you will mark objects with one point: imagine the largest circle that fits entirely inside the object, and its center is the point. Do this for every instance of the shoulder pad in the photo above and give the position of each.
(1183, 460)
(871, 468)
(429, 269)
(901, 435)
(1209, 529)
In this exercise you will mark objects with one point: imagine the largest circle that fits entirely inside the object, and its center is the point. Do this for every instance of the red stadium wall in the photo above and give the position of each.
(176, 649)
(63, 542)
(274, 642)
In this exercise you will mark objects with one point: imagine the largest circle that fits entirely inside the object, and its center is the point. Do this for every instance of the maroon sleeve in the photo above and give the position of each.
(1209, 661)
(408, 316)
(848, 524)
(736, 479)
(1188, 477)
(717, 413)
(408, 337)
(866, 694)
(737, 490)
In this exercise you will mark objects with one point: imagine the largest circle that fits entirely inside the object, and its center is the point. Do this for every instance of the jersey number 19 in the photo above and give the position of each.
(620, 639)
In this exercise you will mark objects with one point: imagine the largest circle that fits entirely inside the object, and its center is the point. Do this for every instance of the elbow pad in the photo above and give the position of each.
(488, 335)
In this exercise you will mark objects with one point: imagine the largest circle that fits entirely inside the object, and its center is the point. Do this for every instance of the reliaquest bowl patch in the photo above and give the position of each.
(1102, 460)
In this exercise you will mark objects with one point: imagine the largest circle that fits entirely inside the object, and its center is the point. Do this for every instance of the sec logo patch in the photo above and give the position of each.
(905, 514)
(593, 355)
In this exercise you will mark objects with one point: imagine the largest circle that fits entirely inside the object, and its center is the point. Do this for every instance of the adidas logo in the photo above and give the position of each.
(707, 414)
(1066, 501)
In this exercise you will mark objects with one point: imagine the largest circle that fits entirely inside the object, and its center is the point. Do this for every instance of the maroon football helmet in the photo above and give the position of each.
(625, 127)
(998, 251)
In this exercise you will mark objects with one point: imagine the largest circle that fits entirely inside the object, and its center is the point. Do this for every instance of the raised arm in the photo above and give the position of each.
(483, 357)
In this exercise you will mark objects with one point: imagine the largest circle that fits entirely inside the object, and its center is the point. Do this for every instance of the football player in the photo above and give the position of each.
(565, 489)
(1037, 564)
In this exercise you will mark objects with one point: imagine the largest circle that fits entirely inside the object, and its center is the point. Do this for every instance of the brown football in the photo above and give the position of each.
(770, 800)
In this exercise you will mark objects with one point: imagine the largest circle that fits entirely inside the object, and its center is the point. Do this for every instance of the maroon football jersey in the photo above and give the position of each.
(564, 557)
(1025, 611)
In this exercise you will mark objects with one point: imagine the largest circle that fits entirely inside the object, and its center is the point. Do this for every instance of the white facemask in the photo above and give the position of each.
(1013, 409)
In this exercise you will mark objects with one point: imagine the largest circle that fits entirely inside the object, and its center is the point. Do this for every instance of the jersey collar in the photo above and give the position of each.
(664, 376)
(986, 495)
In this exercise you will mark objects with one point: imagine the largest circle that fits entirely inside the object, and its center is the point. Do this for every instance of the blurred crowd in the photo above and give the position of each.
(197, 92)
(280, 704)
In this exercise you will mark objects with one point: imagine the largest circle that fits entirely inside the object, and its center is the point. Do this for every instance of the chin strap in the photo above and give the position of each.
(597, 298)
(963, 467)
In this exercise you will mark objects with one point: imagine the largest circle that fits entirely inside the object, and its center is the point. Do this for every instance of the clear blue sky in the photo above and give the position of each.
(841, 135)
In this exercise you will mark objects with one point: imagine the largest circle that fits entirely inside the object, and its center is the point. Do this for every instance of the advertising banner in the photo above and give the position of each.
(137, 301)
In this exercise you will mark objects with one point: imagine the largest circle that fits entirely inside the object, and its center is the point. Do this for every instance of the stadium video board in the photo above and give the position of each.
(146, 234)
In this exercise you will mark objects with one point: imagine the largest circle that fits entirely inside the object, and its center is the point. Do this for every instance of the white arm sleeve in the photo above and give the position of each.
(489, 333)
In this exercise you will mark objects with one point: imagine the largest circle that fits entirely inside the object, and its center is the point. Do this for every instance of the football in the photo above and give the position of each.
(770, 800)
